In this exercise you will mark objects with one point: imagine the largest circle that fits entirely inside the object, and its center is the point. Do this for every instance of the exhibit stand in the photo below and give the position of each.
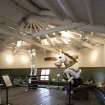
(1, 93)
(70, 93)
(8, 84)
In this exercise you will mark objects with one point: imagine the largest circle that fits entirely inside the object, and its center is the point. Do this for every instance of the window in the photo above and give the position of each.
(45, 74)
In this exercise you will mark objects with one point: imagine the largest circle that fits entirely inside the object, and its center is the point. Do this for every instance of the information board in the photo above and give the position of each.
(7, 80)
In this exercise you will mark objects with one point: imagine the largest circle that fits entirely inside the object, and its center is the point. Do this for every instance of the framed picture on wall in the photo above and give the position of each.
(7, 80)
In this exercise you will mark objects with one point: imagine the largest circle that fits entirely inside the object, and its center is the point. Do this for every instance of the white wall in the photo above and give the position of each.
(22, 60)
(87, 58)
(41, 63)
(92, 58)
(8, 60)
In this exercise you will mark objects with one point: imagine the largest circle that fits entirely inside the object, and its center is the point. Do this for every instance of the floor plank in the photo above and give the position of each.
(44, 96)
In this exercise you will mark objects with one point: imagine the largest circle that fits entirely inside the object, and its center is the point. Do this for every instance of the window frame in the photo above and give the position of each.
(44, 74)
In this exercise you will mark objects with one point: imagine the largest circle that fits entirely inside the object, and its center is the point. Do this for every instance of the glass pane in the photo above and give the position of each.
(47, 72)
(46, 77)
(43, 72)
(42, 78)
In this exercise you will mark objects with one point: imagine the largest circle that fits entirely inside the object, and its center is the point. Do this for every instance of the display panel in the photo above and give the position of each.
(7, 80)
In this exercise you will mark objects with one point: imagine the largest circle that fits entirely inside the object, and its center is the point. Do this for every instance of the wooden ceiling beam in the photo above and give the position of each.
(18, 36)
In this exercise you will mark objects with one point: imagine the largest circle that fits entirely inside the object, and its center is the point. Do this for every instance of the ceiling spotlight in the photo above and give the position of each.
(66, 34)
(54, 33)
(19, 43)
(44, 42)
(51, 26)
(38, 38)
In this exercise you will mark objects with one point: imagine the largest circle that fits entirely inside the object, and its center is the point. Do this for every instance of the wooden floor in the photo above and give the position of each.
(44, 96)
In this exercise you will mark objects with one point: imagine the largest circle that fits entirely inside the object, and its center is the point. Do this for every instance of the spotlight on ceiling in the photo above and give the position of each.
(51, 26)
(19, 43)
(66, 34)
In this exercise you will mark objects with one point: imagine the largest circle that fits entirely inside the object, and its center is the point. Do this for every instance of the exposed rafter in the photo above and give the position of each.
(54, 8)
(89, 10)
(92, 28)
(98, 39)
(87, 45)
(81, 42)
(78, 26)
(19, 7)
(66, 7)
(27, 6)
(51, 43)
(18, 36)
(6, 21)
(60, 28)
